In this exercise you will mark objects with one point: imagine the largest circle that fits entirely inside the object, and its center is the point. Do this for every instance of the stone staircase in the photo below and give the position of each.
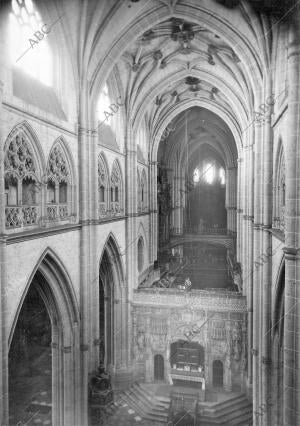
(236, 411)
(148, 405)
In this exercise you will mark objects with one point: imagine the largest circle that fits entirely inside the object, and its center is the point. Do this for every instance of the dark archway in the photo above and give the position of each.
(159, 368)
(278, 338)
(49, 295)
(30, 360)
(218, 372)
(106, 311)
(112, 310)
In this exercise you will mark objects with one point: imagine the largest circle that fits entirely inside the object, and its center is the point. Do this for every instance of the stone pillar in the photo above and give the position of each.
(248, 279)
(86, 280)
(266, 282)
(230, 202)
(153, 211)
(292, 234)
(254, 270)
(239, 209)
(3, 255)
(131, 244)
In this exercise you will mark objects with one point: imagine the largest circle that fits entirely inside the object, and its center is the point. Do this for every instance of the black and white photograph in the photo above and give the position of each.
(149, 212)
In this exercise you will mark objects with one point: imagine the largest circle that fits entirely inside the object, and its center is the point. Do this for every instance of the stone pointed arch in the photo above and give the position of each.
(51, 280)
(279, 189)
(142, 251)
(60, 182)
(32, 140)
(23, 166)
(112, 309)
(113, 249)
(61, 286)
(116, 190)
(103, 186)
(139, 206)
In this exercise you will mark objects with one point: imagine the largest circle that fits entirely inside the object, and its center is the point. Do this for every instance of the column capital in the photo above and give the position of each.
(290, 253)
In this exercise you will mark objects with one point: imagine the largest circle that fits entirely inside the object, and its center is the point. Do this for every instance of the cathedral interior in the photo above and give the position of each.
(150, 212)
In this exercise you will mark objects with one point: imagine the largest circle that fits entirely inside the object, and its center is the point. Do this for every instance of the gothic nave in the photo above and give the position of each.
(149, 212)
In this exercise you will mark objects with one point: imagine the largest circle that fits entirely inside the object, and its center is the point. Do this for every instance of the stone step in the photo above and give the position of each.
(235, 412)
(161, 400)
(223, 404)
(241, 405)
(152, 398)
(135, 404)
(146, 404)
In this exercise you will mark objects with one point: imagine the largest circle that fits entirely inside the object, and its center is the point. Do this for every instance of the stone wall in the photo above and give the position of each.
(221, 331)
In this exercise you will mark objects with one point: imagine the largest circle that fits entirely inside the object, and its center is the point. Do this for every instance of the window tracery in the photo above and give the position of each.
(20, 178)
(58, 185)
(25, 22)
(209, 172)
(116, 190)
(102, 187)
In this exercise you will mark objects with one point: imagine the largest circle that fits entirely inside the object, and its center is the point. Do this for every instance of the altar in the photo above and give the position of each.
(192, 379)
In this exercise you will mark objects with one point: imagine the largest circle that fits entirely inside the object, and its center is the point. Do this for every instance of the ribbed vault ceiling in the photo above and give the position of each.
(197, 133)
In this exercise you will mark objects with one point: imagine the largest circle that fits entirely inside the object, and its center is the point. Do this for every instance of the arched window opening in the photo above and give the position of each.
(218, 373)
(103, 189)
(11, 190)
(140, 254)
(59, 200)
(222, 175)
(159, 373)
(28, 53)
(50, 192)
(279, 193)
(205, 210)
(20, 182)
(209, 172)
(103, 112)
(102, 194)
(63, 198)
(116, 199)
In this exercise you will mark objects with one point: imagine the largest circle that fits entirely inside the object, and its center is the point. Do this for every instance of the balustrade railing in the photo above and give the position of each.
(21, 216)
(198, 231)
(57, 212)
(115, 209)
(103, 212)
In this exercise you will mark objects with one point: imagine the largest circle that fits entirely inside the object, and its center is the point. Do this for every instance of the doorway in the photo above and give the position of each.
(218, 373)
(159, 373)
